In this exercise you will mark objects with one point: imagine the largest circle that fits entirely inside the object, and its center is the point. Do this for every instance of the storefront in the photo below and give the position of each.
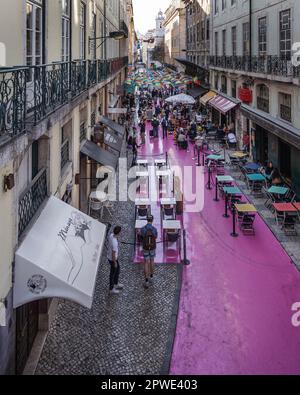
(223, 110)
(277, 141)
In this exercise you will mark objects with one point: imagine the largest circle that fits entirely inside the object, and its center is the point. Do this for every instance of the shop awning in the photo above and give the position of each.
(99, 154)
(206, 98)
(197, 92)
(113, 140)
(59, 257)
(279, 128)
(222, 104)
(113, 125)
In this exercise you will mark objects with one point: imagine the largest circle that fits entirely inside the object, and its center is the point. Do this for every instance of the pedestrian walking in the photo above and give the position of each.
(155, 125)
(113, 258)
(164, 125)
(143, 131)
(149, 236)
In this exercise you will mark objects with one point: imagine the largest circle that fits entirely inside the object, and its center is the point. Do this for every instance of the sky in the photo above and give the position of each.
(145, 12)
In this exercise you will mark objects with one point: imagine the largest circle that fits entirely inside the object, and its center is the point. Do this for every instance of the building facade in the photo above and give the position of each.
(198, 31)
(252, 64)
(175, 32)
(65, 66)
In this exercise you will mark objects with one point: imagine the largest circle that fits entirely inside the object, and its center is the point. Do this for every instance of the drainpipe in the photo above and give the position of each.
(250, 32)
(105, 31)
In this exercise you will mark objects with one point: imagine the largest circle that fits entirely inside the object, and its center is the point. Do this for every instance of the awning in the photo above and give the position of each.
(197, 92)
(222, 104)
(113, 125)
(206, 98)
(279, 128)
(193, 68)
(113, 140)
(59, 257)
(99, 154)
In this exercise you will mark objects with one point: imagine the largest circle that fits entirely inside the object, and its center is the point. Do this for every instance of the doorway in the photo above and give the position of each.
(285, 159)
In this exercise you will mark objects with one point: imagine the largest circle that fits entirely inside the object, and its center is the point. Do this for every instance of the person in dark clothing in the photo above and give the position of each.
(134, 151)
(155, 125)
(164, 125)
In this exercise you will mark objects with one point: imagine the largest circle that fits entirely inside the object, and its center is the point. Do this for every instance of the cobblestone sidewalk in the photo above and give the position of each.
(131, 333)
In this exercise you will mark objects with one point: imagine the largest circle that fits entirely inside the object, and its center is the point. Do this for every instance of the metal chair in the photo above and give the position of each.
(95, 207)
(142, 213)
(169, 213)
(173, 236)
(108, 206)
(289, 225)
(247, 224)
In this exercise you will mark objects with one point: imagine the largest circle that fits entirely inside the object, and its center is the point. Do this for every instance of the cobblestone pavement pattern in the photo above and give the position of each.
(123, 334)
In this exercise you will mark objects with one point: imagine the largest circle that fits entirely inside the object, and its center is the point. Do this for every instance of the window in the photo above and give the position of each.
(93, 35)
(224, 42)
(66, 143)
(233, 40)
(263, 98)
(216, 44)
(82, 30)
(285, 35)
(65, 32)
(246, 39)
(34, 33)
(233, 88)
(285, 107)
(262, 36)
(224, 84)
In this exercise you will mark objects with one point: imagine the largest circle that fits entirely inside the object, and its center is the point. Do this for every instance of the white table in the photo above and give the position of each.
(160, 162)
(171, 225)
(140, 224)
(163, 173)
(142, 162)
(168, 202)
(142, 202)
(142, 174)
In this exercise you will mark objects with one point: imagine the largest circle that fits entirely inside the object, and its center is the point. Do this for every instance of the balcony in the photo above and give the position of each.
(30, 94)
(271, 65)
(32, 199)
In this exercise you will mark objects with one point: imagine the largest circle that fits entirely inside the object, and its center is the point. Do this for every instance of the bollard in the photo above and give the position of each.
(234, 234)
(185, 260)
(226, 206)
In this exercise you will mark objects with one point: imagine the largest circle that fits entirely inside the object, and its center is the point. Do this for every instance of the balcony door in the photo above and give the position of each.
(34, 44)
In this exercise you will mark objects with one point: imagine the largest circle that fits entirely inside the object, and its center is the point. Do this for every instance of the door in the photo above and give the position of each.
(83, 183)
(285, 159)
(26, 331)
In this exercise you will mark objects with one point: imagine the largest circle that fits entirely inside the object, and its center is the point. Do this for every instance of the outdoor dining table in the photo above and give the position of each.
(160, 162)
(214, 157)
(284, 208)
(252, 167)
(241, 209)
(168, 202)
(279, 191)
(222, 180)
(101, 196)
(256, 177)
(238, 155)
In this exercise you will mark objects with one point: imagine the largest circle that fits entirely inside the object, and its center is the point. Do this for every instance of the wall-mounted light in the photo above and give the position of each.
(9, 182)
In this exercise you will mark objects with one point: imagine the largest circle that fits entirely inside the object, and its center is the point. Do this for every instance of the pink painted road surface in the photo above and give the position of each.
(237, 294)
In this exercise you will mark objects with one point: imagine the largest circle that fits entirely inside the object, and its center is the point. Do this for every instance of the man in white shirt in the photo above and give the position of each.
(112, 256)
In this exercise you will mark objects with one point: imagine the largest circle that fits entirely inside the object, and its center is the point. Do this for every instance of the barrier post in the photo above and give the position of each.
(185, 260)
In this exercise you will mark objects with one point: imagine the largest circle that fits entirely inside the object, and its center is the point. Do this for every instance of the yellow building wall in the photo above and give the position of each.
(6, 234)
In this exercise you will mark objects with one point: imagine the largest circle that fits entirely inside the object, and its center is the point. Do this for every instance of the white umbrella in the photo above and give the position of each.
(182, 98)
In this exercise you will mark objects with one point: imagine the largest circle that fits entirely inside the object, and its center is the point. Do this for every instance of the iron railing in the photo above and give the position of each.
(31, 200)
(30, 94)
(272, 65)
(93, 119)
(82, 132)
(64, 154)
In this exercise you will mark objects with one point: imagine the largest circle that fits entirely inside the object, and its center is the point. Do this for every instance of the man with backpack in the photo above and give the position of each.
(149, 236)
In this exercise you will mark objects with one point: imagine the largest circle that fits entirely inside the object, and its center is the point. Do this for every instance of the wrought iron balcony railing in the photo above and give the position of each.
(31, 200)
(82, 132)
(30, 94)
(273, 65)
(64, 154)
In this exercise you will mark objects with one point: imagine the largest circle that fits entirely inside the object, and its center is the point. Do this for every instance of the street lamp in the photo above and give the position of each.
(117, 35)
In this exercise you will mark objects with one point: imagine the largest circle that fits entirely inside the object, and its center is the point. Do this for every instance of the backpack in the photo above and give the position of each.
(149, 241)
